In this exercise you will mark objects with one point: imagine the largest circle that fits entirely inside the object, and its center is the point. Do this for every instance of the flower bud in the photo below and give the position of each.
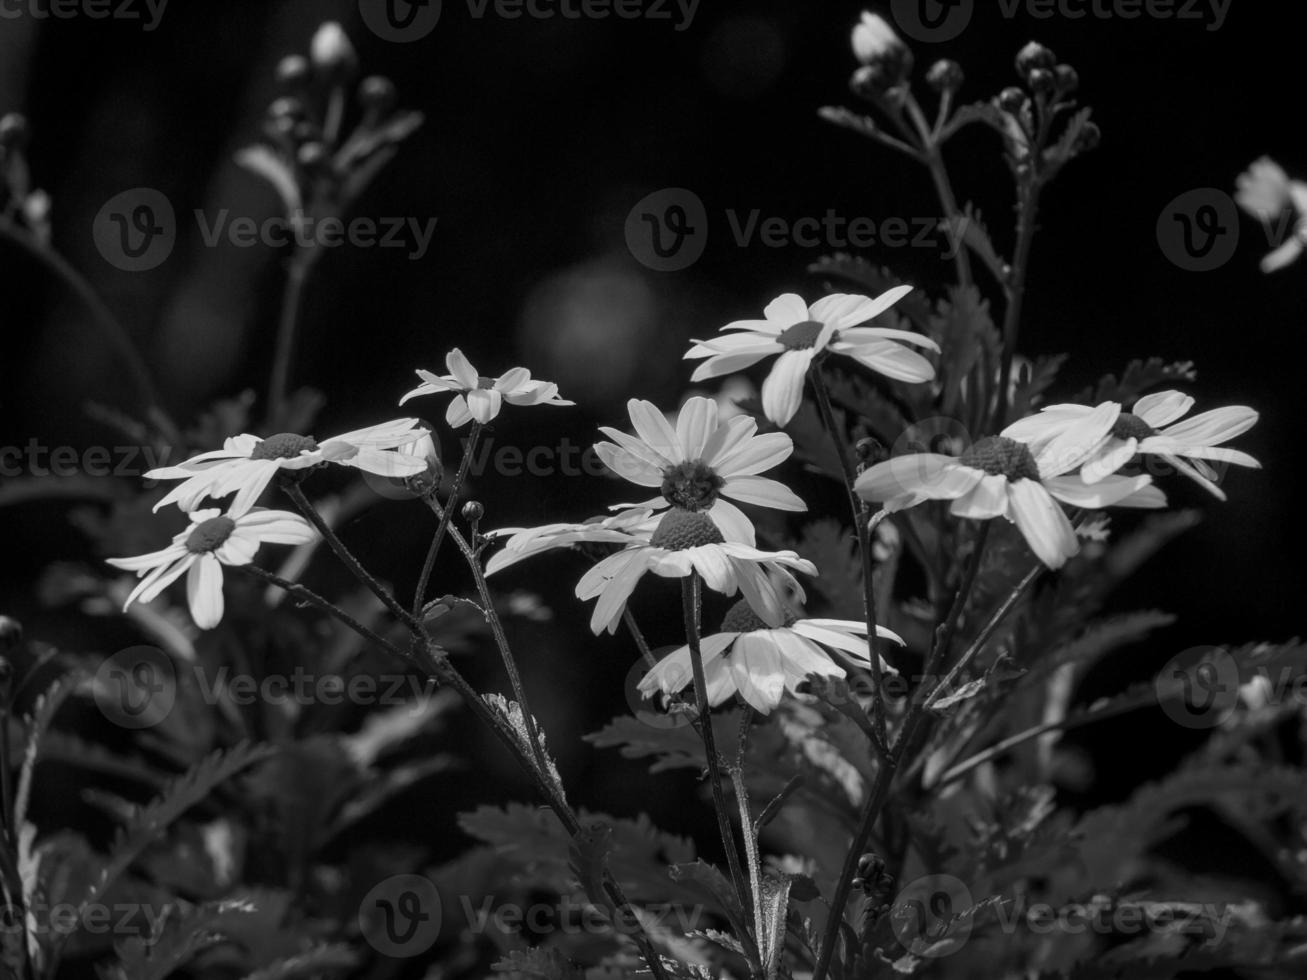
(311, 155)
(869, 450)
(377, 95)
(1034, 55)
(1089, 138)
(1011, 99)
(11, 634)
(13, 131)
(876, 45)
(473, 512)
(1068, 79)
(1042, 81)
(292, 70)
(287, 108)
(332, 53)
(945, 76)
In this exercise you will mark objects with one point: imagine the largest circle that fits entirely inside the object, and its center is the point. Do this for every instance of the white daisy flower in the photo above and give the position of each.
(1004, 476)
(1266, 192)
(701, 461)
(800, 334)
(684, 542)
(481, 398)
(760, 663)
(1152, 428)
(525, 542)
(212, 540)
(873, 39)
(246, 464)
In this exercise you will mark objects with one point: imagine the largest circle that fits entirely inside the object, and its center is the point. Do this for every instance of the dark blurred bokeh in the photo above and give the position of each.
(540, 137)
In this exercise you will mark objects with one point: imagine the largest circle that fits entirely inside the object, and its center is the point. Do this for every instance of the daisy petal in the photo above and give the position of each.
(652, 427)
(1162, 408)
(1042, 523)
(763, 492)
(782, 391)
(204, 592)
(461, 368)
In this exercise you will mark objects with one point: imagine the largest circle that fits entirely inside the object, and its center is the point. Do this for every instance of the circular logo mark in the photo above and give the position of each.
(667, 231)
(927, 916)
(932, 21)
(1199, 687)
(654, 711)
(136, 230)
(400, 21)
(911, 465)
(1199, 230)
(137, 687)
(400, 917)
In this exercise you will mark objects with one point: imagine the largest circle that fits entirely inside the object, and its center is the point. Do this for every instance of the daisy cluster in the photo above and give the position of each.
(704, 468)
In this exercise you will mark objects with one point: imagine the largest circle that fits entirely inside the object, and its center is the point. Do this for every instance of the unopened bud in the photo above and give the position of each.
(311, 155)
(13, 131)
(292, 70)
(876, 45)
(11, 634)
(1011, 99)
(473, 512)
(1042, 81)
(868, 450)
(287, 108)
(332, 53)
(1068, 79)
(945, 76)
(377, 95)
(1034, 55)
(1089, 138)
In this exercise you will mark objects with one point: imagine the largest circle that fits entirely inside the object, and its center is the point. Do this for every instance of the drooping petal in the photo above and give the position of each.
(755, 664)
(457, 414)
(782, 391)
(922, 476)
(484, 404)
(986, 500)
(461, 368)
(1042, 523)
(721, 364)
(1109, 490)
(894, 361)
(204, 592)
(512, 380)
(763, 492)
(1115, 454)
(1079, 441)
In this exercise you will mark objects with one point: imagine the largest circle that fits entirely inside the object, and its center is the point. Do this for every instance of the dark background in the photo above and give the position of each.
(540, 137)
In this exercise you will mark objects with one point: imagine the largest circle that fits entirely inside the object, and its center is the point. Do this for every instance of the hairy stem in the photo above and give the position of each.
(464, 465)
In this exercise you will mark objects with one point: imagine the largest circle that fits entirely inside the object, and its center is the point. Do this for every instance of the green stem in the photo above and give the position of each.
(464, 465)
(690, 602)
(747, 829)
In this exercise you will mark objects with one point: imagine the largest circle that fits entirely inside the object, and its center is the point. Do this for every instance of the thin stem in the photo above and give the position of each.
(347, 557)
(690, 609)
(934, 161)
(100, 313)
(862, 527)
(885, 775)
(326, 605)
(464, 465)
(1028, 208)
(640, 642)
(747, 829)
(291, 300)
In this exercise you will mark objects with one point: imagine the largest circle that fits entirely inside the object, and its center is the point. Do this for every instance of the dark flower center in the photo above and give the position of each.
(801, 336)
(1132, 427)
(741, 618)
(485, 384)
(209, 535)
(682, 529)
(284, 445)
(691, 485)
(1000, 456)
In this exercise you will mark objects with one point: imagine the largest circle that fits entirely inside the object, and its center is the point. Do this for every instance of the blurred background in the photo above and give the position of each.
(540, 137)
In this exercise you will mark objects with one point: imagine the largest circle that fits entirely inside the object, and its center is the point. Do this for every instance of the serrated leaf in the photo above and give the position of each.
(1137, 378)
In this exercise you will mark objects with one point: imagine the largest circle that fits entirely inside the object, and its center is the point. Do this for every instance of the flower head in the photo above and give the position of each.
(701, 461)
(686, 542)
(481, 398)
(761, 662)
(800, 334)
(1021, 481)
(1153, 427)
(1266, 192)
(212, 540)
(246, 464)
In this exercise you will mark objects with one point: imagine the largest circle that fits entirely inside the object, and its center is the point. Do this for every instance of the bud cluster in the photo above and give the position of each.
(1026, 111)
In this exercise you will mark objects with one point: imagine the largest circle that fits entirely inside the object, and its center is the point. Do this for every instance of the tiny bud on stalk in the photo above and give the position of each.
(377, 95)
(332, 53)
(945, 76)
(13, 131)
(877, 46)
(473, 512)
(1042, 81)
(292, 70)
(1034, 55)
(1011, 99)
